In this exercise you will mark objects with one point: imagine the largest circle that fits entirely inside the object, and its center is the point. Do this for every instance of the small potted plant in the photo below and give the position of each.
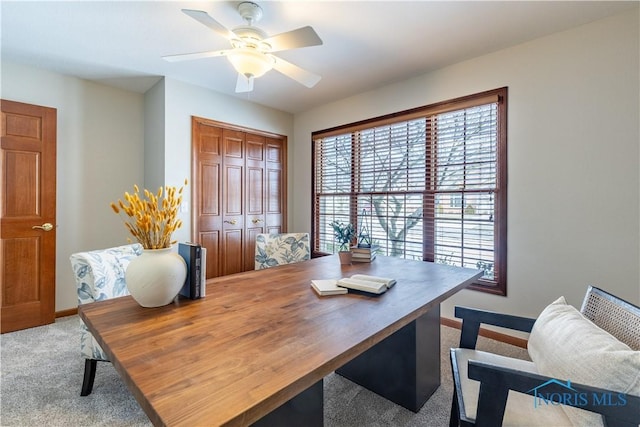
(344, 234)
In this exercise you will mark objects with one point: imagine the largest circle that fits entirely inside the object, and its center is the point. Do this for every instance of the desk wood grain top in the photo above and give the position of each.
(258, 338)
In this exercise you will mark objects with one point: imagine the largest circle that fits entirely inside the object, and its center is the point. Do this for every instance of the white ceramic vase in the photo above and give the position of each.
(156, 277)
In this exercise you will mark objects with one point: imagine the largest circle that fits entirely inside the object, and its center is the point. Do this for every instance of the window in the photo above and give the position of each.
(455, 201)
(428, 183)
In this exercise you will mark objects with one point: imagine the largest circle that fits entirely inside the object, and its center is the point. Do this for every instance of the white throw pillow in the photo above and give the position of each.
(565, 345)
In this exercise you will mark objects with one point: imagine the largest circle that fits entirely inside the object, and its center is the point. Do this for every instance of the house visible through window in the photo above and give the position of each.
(455, 201)
(427, 184)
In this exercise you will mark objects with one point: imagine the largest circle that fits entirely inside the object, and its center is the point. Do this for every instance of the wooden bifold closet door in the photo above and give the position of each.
(239, 191)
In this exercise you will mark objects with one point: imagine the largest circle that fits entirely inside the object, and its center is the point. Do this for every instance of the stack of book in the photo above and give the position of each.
(364, 254)
(195, 256)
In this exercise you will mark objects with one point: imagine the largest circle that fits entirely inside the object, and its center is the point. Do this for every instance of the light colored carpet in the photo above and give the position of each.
(41, 375)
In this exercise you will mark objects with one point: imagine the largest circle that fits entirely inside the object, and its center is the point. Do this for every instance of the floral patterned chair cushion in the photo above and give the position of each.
(278, 249)
(100, 275)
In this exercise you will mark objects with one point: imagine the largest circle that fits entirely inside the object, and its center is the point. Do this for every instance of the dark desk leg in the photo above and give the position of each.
(306, 409)
(405, 367)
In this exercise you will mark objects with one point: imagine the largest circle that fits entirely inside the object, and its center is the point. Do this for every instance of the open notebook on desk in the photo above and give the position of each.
(366, 283)
(360, 282)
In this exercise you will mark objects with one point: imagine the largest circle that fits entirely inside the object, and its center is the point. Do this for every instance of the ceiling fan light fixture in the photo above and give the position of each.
(249, 62)
(252, 50)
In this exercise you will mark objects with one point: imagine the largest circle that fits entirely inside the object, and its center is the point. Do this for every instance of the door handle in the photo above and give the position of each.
(46, 227)
(232, 222)
(256, 220)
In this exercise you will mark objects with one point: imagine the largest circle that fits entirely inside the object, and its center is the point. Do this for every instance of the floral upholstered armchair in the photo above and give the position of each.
(278, 249)
(99, 276)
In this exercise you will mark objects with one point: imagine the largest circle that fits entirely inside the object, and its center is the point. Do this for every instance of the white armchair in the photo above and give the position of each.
(278, 249)
(99, 275)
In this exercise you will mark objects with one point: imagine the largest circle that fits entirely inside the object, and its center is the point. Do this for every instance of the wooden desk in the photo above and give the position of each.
(263, 338)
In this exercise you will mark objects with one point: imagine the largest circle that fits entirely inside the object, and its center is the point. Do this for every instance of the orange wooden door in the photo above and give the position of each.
(255, 200)
(28, 217)
(238, 191)
(275, 186)
(233, 188)
(207, 197)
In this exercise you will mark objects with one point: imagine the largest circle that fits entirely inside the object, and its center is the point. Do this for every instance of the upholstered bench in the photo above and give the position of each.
(584, 367)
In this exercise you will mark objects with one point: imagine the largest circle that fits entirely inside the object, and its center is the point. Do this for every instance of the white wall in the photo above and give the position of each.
(573, 158)
(110, 139)
(154, 112)
(99, 156)
(574, 155)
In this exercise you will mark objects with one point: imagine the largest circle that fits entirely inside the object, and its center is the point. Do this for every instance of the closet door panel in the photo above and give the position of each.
(233, 190)
(255, 170)
(232, 245)
(275, 159)
(233, 206)
(250, 247)
(206, 196)
(255, 174)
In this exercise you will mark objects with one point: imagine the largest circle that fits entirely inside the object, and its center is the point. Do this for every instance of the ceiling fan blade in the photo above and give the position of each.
(204, 18)
(196, 55)
(244, 83)
(302, 37)
(298, 74)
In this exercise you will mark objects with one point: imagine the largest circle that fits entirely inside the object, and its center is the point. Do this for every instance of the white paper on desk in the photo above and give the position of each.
(327, 287)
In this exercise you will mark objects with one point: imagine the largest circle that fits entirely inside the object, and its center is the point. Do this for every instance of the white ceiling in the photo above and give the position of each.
(366, 44)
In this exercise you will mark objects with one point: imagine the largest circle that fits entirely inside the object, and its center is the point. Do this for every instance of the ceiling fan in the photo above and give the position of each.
(252, 50)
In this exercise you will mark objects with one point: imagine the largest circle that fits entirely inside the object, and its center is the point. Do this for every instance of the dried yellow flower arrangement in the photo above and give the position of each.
(152, 219)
